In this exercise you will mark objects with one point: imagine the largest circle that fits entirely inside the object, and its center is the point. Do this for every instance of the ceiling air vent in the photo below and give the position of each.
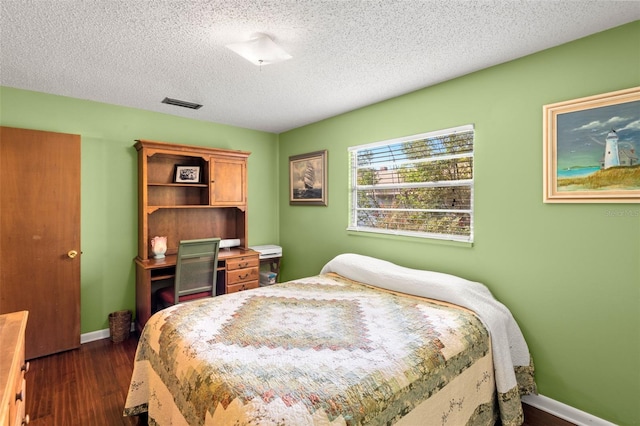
(183, 104)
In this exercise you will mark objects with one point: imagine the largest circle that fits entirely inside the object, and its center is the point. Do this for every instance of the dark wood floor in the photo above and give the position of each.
(88, 386)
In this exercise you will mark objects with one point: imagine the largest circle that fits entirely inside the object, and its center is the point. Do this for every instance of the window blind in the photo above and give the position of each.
(420, 185)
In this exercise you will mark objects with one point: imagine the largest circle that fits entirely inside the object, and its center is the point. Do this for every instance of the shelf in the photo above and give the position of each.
(153, 209)
(180, 185)
(162, 277)
(177, 194)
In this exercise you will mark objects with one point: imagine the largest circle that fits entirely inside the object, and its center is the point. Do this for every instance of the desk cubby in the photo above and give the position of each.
(165, 273)
(238, 269)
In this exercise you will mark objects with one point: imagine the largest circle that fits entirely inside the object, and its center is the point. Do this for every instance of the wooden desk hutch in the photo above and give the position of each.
(214, 205)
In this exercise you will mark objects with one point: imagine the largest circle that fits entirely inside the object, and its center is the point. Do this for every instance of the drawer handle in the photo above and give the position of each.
(25, 421)
(243, 265)
(20, 396)
(25, 367)
(244, 276)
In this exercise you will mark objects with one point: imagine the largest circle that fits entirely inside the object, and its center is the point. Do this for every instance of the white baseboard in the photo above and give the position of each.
(94, 335)
(563, 411)
(99, 335)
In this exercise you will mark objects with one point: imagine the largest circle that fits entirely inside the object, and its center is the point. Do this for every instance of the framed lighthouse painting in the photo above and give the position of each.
(592, 149)
(308, 179)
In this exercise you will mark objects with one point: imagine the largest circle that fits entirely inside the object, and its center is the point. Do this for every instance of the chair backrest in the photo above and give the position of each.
(196, 267)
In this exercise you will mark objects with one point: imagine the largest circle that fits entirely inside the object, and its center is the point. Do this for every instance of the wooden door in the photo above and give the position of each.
(40, 236)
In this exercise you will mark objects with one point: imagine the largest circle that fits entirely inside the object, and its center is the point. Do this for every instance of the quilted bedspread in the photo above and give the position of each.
(319, 350)
(322, 350)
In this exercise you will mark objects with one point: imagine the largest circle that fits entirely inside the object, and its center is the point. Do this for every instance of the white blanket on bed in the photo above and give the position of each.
(509, 346)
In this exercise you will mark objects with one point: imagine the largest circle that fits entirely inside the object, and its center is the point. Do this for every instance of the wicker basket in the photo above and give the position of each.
(119, 325)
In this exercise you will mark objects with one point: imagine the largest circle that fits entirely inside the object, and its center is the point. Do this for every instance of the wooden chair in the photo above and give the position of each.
(196, 271)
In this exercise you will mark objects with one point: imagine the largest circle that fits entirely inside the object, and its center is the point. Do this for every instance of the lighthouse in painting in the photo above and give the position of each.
(611, 156)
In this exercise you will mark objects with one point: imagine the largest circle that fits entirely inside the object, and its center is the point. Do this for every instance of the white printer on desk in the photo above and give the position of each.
(268, 251)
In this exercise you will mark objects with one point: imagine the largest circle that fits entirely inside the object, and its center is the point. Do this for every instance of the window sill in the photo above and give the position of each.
(407, 238)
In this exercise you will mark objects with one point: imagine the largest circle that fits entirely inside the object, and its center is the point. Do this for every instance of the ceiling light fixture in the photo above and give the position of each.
(260, 50)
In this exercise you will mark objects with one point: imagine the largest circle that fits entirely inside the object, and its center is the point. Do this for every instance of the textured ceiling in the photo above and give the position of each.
(346, 53)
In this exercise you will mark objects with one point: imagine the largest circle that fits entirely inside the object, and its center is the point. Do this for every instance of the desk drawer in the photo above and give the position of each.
(242, 275)
(242, 262)
(242, 286)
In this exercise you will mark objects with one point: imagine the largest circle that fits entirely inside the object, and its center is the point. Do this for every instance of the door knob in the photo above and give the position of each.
(72, 254)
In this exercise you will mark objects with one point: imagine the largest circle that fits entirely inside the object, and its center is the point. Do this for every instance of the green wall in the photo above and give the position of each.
(569, 273)
(109, 183)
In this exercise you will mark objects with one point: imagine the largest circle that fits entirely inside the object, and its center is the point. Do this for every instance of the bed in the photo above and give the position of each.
(365, 342)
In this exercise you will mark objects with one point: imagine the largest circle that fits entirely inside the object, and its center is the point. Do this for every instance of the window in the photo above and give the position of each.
(419, 186)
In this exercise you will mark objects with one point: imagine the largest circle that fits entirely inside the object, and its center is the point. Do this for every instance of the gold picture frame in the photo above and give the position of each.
(592, 149)
(308, 179)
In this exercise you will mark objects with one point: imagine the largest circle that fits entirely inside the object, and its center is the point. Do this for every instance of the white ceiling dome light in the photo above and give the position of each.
(260, 50)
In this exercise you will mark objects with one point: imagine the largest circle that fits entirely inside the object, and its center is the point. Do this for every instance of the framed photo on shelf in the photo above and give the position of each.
(187, 174)
(592, 149)
(308, 179)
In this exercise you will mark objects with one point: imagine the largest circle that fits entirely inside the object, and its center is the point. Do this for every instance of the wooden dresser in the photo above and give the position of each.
(13, 369)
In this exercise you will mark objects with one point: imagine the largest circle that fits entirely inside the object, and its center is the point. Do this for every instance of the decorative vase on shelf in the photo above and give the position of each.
(159, 247)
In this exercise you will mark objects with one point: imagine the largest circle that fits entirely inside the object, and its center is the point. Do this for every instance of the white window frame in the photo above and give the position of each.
(469, 183)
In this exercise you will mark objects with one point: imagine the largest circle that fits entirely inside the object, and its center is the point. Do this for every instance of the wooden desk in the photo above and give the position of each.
(238, 269)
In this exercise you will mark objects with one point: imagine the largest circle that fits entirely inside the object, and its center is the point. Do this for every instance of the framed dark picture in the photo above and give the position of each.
(187, 174)
(592, 149)
(308, 179)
